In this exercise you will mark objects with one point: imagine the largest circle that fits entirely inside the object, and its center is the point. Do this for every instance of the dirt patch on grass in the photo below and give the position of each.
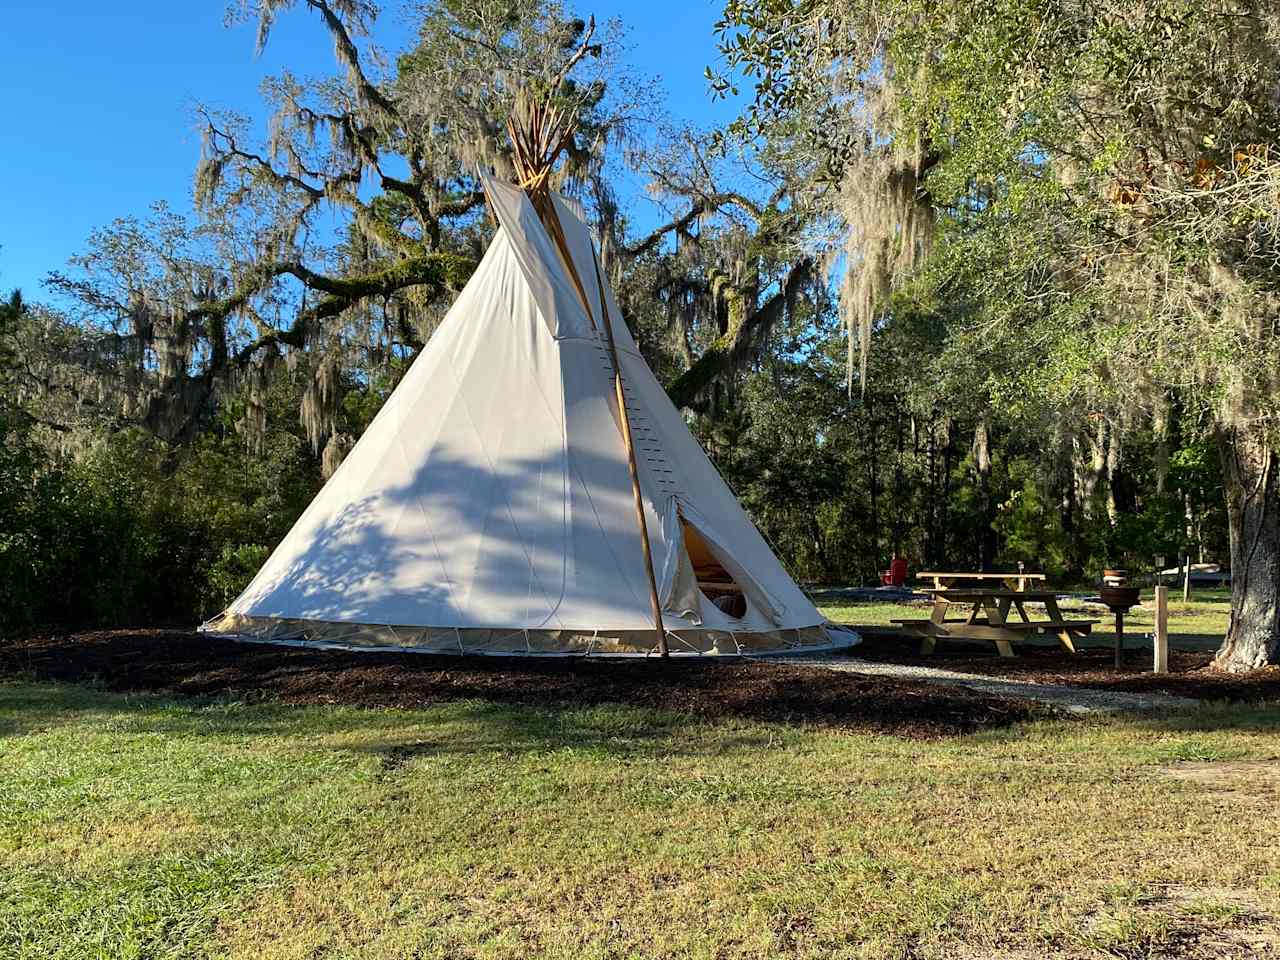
(1189, 673)
(1189, 923)
(1224, 923)
(399, 755)
(1253, 779)
(190, 664)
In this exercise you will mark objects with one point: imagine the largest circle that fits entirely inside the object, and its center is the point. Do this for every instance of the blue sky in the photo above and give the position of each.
(96, 102)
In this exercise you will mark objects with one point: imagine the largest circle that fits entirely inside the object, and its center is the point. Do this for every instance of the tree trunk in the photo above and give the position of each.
(873, 479)
(1065, 480)
(1249, 473)
(943, 549)
(739, 324)
(982, 462)
(931, 504)
(897, 523)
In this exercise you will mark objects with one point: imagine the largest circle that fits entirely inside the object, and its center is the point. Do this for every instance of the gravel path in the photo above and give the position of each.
(1077, 700)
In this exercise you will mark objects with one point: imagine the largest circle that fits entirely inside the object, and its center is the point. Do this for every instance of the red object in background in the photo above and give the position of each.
(896, 575)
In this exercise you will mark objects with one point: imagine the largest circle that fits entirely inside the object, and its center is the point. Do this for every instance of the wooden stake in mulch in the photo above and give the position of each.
(1160, 641)
(1119, 638)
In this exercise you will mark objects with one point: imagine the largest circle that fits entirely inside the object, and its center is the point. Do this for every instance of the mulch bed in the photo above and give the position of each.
(1189, 672)
(188, 664)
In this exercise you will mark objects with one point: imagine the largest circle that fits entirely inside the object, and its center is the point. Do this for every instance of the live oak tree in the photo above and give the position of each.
(171, 315)
(174, 314)
(1099, 180)
(718, 279)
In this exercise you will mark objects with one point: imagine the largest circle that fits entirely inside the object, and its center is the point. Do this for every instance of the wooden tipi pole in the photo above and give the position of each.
(537, 144)
(654, 602)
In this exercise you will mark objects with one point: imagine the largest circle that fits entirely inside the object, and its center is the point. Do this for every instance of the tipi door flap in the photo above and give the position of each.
(757, 596)
(678, 586)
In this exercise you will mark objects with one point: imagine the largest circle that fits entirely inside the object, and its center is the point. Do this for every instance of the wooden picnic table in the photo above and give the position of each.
(988, 618)
(942, 579)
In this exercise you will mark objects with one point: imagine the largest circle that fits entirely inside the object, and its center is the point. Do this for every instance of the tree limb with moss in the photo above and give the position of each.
(1103, 194)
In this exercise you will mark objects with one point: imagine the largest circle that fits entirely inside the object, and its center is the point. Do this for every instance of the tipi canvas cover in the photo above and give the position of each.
(489, 507)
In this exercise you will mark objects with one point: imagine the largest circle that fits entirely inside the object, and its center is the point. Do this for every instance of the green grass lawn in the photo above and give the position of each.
(144, 827)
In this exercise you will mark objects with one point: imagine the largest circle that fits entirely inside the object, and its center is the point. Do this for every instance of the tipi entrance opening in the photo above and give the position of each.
(715, 582)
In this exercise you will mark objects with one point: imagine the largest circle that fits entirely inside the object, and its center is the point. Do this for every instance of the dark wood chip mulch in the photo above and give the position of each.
(189, 664)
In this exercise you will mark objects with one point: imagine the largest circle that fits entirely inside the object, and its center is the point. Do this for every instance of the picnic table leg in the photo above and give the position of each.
(1022, 611)
(937, 618)
(996, 611)
(1064, 635)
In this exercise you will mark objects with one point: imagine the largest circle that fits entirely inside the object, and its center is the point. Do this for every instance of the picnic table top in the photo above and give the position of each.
(956, 575)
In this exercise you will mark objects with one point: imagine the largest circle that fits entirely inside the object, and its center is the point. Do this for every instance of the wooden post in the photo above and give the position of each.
(1160, 640)
(1186, 551)
(1119, 639)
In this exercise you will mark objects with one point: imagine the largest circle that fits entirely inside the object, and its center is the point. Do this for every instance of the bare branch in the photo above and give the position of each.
(584, 48)
(701, 205)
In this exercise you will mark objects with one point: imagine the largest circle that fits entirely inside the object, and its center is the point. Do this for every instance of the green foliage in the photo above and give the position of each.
(1030, 522)
(234, 568)
(133, 531)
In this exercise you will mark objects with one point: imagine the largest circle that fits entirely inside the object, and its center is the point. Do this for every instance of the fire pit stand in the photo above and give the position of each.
(1120, 599)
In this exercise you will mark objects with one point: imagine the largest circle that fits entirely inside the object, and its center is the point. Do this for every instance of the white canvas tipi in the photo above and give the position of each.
(489, 507)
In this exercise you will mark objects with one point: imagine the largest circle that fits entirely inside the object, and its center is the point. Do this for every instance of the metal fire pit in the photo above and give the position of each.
(1120, 600)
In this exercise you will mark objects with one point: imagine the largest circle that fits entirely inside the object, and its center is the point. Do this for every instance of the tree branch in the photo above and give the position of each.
(730, 346)
(583, 49)
(436, 271)
(708, 203)
(350, 56)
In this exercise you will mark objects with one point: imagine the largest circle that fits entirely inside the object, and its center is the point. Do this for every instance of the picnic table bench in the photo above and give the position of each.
(988, 618)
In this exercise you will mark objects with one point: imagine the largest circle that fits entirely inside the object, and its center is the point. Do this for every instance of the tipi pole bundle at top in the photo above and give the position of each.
(539, 132)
